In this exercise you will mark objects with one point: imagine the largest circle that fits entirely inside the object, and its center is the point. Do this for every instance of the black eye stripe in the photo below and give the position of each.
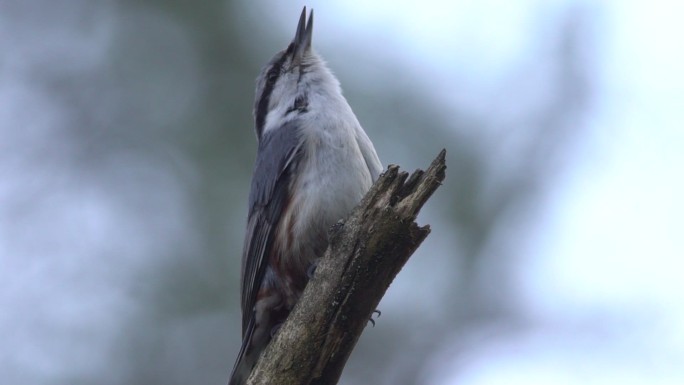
(271, 78)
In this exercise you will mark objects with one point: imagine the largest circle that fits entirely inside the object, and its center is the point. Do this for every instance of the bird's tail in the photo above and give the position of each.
(246, 359)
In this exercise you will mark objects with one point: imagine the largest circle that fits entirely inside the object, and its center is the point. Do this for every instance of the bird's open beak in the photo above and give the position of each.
(302, 39)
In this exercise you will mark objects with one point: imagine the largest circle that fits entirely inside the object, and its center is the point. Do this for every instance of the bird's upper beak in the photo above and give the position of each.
(302, 39)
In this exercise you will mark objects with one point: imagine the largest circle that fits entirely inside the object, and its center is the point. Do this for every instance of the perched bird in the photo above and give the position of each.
(314, 164)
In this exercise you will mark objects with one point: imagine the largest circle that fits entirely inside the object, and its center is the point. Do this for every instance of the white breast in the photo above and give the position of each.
(331, 179)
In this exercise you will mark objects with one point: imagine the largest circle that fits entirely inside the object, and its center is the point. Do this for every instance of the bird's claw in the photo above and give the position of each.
(312, 268)
(275, 329)
(371, 320)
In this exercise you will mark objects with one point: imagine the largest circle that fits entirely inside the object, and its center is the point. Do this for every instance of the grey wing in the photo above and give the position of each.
(270, 192)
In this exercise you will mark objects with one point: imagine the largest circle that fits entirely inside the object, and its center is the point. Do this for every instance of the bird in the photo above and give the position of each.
(314, 164)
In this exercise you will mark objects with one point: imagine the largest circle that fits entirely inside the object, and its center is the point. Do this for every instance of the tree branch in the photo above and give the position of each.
(365, 253)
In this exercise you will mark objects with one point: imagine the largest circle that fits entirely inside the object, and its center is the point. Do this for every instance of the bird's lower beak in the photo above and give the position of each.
(302, 39)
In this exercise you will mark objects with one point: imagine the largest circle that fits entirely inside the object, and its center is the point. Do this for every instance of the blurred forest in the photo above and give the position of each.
(127, 150)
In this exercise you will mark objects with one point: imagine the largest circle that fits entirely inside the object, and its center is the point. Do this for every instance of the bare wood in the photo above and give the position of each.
(365, 253)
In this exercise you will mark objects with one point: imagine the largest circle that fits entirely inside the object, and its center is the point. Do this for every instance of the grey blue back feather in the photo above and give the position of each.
(277, 153)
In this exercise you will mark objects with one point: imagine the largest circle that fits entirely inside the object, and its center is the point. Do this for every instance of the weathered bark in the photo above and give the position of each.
(366, 252)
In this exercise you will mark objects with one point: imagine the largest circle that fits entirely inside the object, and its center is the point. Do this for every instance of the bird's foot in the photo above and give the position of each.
(312, 268)
(371, 320)
(275, 329)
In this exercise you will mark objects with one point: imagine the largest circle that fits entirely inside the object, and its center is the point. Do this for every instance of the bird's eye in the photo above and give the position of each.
(271, 78)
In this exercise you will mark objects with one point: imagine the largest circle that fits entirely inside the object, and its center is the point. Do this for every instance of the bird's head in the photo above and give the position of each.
(285, 84)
